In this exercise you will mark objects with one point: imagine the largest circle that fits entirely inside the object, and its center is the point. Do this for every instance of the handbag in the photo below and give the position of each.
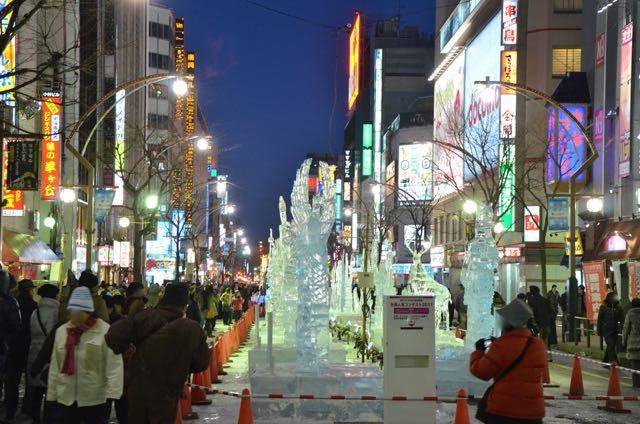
(481, 412)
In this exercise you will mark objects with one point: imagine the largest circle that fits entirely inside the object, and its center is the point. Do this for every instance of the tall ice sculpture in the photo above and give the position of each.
(478, 278)
(312, 223)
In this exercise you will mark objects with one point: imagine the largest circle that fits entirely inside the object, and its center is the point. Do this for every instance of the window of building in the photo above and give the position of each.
(158, 91)
(567, 6)
(159, 30)
(565, 60)
(159, 61)
(158, 122)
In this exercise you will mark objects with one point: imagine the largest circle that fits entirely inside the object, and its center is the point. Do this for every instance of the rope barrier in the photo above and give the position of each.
(403, 398)
(595, 361)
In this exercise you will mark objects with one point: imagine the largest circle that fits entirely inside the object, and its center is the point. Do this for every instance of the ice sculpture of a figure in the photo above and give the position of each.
(423, 284)
(288, 288)
(480, 265)
(312, 223)
(273, 282)
(383, 280)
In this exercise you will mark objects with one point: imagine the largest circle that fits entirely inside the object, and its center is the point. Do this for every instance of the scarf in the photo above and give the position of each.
(73, 339)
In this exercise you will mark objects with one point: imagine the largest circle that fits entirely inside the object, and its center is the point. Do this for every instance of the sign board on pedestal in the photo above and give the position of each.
(410, 361)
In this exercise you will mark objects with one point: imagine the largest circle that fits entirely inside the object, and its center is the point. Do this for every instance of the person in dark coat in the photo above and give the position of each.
(542, 312)
(158, 370)
(9, 320)
(631, 339)
(19, 349)
(554, 300)
(610, 316)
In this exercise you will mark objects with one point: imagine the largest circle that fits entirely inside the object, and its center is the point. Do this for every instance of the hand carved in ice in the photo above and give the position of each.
(312, 223)
(478, 278)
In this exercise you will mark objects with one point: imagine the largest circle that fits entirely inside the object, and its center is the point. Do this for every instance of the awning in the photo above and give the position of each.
(614, 240)
(19, 247)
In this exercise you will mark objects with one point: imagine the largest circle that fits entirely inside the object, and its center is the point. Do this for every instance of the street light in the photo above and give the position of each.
(49, 222)
(243, 240)
(230, 209)
(469, 206)
(152, 201)
(202, 144)
(67, 195)
(221, 187)
(594, 205)
(348, 212)
(124, 222)
(498, 228)
(241, 231)
(180, 87)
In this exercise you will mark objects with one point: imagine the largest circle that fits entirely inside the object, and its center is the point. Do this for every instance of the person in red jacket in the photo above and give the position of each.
(516, 362)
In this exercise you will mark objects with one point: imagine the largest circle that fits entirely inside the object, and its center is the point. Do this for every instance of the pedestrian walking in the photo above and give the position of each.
(84, 372)
(610, 316)
(42, 322)
(238, 306)
(211, 310)
(158, 369)
(631, 338)
(542, 312)
(554, 300)
(515, 361)
(19, 350)
(225, 300)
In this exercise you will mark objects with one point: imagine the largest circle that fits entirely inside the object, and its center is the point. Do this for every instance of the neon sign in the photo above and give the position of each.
(50, 149)
(354, 60)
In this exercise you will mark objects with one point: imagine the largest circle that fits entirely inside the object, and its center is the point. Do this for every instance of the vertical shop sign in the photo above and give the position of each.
(13, 199)
(50, 152)
(624, 142)
(594, 275)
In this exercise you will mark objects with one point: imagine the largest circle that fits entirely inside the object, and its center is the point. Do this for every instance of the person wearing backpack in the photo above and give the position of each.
(168, 347)
(43, 321)
(515, 361)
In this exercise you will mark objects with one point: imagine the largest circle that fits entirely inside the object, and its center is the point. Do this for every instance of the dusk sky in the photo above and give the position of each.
(266, 84)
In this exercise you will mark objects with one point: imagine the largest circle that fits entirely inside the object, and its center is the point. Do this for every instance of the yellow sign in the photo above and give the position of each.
(567, 243)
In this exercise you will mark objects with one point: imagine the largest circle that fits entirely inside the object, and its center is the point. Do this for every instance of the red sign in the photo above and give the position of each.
(512, 252)
(600, 48)
(598, 125)
(633, 280)
(594, 275)
(14, 199)
(50, 151)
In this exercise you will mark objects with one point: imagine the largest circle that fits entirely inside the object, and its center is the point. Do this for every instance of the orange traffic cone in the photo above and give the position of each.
(213, 365)
(614, 390)
(246, 415)
(462, 410)
(206, 374)
(576, 388)
(546, 378)
(178, 419)
(185, 405)
(220, 357)
(227, 348)
(198, 393)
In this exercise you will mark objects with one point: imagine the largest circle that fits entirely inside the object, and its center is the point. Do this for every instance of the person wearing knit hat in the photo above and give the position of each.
(516, 361)
(76, 383)
(90, 282)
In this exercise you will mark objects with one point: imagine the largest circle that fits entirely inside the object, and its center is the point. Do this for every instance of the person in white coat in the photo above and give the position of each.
(84, 372)
(43, 321)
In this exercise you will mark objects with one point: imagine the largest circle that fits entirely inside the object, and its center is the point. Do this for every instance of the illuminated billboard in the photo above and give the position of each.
(567, 147)
(367, 149)
(118, 199)
(8, 61)
(355, 57)
(51, 150)
(13, 199)
(448, 115)
(415, 174)
(624, 127)
(482, 103)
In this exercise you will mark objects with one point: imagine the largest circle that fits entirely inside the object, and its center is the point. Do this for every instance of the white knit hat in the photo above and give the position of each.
(81, 300)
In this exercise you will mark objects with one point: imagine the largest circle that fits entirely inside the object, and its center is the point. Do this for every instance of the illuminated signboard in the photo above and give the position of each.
(567, 147)
(508, 115)
(189, 130)
(415, 175)
(51, 150)
(624, 127)
(509, 22)
(508, 180)
(532, 224)
(598, 125)
(600, 49)
(8, 61)
(377, 117)
(355, 41)
(448, 114)
(14, 200)
(508, 68)
(615, 243)
(118, 199)
(367, 149)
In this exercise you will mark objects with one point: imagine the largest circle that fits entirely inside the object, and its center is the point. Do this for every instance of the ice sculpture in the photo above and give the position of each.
(312, 223)
(422, 284)
(478, 271)
(289, 278)
(273, 281)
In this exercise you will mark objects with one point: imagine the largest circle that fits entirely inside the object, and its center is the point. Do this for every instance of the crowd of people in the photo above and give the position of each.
(89, 348)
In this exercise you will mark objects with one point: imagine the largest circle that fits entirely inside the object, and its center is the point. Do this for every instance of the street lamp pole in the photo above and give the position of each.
(591, 157)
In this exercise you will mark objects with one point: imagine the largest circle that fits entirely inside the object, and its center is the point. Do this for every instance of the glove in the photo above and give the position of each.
(480, 344)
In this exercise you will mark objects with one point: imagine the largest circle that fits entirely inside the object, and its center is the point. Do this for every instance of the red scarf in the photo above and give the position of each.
(73, 339)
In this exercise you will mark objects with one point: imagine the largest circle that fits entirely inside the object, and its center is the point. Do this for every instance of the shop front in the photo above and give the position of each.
(26, 256)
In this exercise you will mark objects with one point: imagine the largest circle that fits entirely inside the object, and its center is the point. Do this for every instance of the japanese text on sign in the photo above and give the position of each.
(50, 151)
